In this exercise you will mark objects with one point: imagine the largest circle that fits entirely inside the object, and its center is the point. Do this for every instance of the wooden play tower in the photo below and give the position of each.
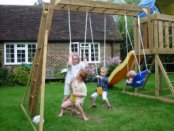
(158, 38)
(153, 29)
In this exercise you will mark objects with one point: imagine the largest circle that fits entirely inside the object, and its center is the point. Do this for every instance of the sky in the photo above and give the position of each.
(19, 2)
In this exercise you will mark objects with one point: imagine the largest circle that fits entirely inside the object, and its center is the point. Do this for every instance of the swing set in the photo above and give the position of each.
(156, 30)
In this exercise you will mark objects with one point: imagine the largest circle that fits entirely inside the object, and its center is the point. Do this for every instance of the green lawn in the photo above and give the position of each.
(129, 113)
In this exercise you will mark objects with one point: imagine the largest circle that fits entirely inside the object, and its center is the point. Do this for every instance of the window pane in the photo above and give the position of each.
(20, 45)
(92, 56)
(9, 60)
(7, 50)
(12, 60)
(74, 47)
(86, 53)
(20, 55)
(84, 45)
(95, 55)
(31, 52)
(9, 53)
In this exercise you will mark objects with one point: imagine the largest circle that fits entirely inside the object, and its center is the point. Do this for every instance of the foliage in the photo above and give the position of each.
(111, 64)
(59, 74)
(6, 77)
(91, 72)
(121, 26)
(1, 58)
(39, 3)
(21, 74)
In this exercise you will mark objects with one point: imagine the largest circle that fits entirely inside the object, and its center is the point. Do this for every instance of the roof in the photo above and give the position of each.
(166, 6)
(21, 23)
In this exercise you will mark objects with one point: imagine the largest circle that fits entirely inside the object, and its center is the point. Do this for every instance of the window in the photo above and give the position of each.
(18, 53)
(92, 52)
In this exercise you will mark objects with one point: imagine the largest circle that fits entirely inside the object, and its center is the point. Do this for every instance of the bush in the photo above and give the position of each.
(111, 64)
(6, 77)
(59, 74)
(21, 75)
(91, 73)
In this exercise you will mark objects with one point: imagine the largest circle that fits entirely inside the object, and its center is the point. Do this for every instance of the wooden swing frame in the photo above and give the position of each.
(37, 79)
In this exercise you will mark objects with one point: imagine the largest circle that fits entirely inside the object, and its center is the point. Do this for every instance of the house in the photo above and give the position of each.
(19, 27)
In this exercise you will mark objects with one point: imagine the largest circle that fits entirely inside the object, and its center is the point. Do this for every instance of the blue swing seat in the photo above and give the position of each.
(139, 79)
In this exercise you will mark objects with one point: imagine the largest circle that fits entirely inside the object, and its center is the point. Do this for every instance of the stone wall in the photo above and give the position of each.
(57, 55)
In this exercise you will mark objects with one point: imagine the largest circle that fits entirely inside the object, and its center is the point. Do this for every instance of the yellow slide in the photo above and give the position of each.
(120, 71)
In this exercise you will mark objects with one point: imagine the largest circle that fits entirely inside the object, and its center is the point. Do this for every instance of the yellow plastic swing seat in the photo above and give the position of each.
(99, 91)
(73, 98)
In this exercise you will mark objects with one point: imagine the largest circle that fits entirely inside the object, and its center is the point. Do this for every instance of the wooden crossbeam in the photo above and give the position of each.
(99, 7)
(167, 100)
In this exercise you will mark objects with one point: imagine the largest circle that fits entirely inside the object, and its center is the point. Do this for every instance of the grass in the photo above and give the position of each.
(130, 113)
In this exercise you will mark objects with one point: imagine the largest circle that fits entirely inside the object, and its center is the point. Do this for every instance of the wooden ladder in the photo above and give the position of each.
(36, 72)
(37, 78)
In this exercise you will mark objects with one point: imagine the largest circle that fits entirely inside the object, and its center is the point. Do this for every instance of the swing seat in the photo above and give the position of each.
(73, 98)
(99, 91)
(139, 79)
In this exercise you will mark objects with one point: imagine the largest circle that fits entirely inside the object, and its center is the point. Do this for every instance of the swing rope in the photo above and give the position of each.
(104, 61)
(127, 46)
(69, 25)
(99, 89)
(92, 38)
(127, 33)
(139, 79)
(141, 41)
(86, 26)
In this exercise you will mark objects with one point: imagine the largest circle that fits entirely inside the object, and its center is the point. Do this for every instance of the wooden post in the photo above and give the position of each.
(156, 55)
(43, 82)
(144, 35)
(165, 76)
(155, 34)
(166, 34)
(156, 76)
(160, 34)
(172, 34)
(150, 33)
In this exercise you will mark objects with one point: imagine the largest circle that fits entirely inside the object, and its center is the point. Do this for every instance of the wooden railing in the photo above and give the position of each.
(157, 33)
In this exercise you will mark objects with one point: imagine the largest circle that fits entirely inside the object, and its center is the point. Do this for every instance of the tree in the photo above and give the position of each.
(121, 25)
(39, 3)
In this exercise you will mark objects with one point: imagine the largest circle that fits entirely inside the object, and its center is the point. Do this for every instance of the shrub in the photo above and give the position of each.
(6, 77)
(21, 75)
(91, 73)
(59, 74)
(111, 64)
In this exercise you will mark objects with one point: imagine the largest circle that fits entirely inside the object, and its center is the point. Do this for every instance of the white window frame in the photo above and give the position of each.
(80, 47)
(15, 52)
